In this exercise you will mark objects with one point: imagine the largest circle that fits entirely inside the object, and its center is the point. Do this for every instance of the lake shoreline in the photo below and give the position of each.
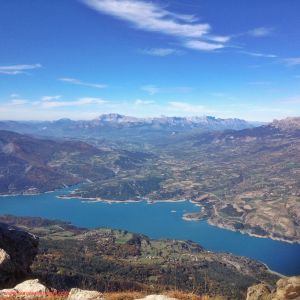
(157, 221)
(185, 218)
(245, 232)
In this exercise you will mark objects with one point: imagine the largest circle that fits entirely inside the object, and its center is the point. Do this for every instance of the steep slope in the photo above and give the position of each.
(250, 179)
(31, 165)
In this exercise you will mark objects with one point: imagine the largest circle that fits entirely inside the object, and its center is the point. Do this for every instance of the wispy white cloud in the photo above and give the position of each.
(18, 102)
(151, 17)
(143, 102)
(51, 98)
(79, 102)
(292, 61)
(258, 54)
(219, 38)
(201, 45)
(260, 31)
(153, 89)
(79, 82)
(161, 51)
(14, 95)
(18, 69)
(148, 16)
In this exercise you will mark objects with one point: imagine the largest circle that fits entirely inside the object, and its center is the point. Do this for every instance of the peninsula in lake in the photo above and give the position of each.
(245, 180)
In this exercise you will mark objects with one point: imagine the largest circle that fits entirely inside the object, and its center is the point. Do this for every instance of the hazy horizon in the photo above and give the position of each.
(129, 116)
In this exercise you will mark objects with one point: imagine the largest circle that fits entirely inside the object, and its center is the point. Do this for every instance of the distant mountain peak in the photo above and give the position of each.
(287, 124)
(106, 124)
(113, 117)
(118, 118)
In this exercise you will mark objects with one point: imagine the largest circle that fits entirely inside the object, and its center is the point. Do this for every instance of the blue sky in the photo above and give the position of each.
(82, 58)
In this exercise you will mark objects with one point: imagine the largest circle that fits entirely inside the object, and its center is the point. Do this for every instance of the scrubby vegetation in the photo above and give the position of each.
(117, 261)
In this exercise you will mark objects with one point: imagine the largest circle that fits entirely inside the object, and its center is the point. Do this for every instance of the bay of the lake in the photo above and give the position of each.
(159, 220)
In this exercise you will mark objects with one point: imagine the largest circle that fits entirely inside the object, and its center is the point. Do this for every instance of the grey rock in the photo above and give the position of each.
(17, 252)
(29, 289)
(286, 289)
(78, 294)
(259, 292)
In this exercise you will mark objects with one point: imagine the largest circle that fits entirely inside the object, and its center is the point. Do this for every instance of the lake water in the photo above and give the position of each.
(160, 220)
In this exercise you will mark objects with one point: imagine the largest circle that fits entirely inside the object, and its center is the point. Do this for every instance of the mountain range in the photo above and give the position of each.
(246, 180)
(117, 127)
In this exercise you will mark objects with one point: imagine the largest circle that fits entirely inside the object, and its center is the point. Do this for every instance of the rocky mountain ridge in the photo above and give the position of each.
(287, 124)
(116, 127)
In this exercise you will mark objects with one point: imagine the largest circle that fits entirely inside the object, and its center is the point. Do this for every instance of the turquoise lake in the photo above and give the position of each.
(160, 220)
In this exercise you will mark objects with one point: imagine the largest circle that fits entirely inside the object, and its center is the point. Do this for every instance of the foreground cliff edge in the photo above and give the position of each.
(108, 260)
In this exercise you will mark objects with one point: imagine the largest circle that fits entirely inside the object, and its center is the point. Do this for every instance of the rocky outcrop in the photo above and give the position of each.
(78, 294)
(29, 289)
(17, 251)
(259, 292)
(287, 124)
(286, 289)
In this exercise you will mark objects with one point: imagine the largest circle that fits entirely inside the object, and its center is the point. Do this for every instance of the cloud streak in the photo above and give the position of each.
(153, 89)
(260, 31)
(18, 102)
(75, 103)
(151, 17)
(147, 16)
(160, 51)
(143, 102)
(200, 45)
(79, 82)
(51, 98)
(258, 54)
(18, 69)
